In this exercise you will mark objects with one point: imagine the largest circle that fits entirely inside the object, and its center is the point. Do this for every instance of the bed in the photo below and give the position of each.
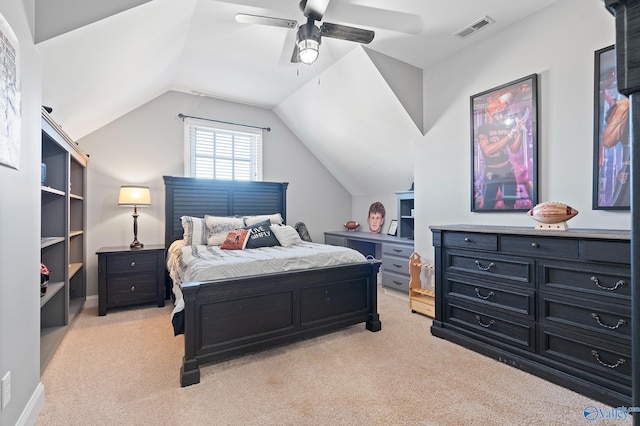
(230, 317)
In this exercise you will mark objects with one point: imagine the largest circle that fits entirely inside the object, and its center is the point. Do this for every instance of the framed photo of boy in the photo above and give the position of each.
(504, 147)
(611, 150)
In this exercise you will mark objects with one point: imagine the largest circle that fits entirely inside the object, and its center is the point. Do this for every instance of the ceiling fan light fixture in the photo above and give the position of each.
(309, 51)
(308, 43)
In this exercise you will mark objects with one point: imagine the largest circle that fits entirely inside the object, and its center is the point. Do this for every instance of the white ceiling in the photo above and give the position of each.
(112, 65)
(108, 58)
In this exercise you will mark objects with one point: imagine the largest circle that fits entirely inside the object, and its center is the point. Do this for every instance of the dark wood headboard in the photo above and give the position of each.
(185, 196)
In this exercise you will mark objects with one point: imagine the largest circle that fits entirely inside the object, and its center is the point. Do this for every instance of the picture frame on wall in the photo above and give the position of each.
(504, 147)
(611, 150)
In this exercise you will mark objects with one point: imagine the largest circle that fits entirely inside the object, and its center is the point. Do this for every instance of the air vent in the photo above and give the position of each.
(474, 27)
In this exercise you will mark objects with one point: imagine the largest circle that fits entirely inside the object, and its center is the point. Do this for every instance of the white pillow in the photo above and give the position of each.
(276, 219)
(287, 235)
(219, 227)
(195, 230)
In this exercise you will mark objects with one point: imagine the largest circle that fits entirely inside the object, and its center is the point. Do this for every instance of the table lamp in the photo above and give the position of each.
(135, 196)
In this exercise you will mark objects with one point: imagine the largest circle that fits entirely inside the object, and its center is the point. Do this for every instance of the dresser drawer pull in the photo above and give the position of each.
(467, 240)
(491, 265)
(610, 327)
(618, 284)
(397, 250)
(396, 282)
(534, 245)
(133, 288)
(617, 364)
(484, 297)
(483, 324)
(133, 263)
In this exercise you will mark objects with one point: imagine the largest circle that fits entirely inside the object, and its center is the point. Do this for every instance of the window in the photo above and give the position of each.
(222, 151)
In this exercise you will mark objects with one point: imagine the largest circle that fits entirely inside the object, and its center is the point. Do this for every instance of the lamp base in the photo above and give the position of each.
(136, 245)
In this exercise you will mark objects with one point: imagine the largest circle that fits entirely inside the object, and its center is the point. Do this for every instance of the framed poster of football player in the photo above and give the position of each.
(611, 150)
(504, 141)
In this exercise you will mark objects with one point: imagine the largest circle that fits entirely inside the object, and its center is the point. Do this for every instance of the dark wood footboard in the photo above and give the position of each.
(225, 319)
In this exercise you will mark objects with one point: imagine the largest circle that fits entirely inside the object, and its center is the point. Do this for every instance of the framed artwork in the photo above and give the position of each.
(393, 227)
(10, 96)
(611, 150)
(504, 147)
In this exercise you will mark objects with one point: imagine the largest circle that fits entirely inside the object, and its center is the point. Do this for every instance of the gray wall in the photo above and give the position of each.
(144, 145)
(558, 44)
(20, 239)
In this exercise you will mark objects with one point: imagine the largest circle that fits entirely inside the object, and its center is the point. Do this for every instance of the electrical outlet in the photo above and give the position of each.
(6, 389)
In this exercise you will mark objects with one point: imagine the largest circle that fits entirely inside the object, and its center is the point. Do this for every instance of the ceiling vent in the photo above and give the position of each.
(475, 27)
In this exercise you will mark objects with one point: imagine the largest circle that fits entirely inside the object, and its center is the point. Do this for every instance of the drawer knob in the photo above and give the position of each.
(596, 317)
(484, 297)
(467, 239)
(133, 263)
(596, 281)
(534, 245)
(620, 362)
(482, 268)
(133, 288)
(482, 324)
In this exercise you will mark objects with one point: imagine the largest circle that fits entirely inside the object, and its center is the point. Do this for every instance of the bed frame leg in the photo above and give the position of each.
(189, 372)
(374, 324)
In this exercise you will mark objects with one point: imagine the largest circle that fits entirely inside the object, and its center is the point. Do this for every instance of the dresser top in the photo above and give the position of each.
(612, 234)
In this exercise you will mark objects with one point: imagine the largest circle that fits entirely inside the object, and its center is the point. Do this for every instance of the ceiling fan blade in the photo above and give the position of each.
(295, 56)
(245, 18)
(344, 32)
(314, 9)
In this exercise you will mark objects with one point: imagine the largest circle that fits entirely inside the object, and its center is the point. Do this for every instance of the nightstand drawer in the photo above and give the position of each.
(130, 277)
(131, 289)
(132, 262)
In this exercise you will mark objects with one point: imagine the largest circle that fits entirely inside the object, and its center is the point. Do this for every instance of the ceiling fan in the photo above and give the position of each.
(308, 38)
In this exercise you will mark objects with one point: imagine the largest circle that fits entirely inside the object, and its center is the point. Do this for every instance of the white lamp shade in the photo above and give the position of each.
(134, 196)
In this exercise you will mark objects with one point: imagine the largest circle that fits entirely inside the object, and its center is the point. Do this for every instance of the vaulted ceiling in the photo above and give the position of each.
(104, 59)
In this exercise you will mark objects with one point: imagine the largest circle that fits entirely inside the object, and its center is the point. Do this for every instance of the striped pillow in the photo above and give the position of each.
(195, 230)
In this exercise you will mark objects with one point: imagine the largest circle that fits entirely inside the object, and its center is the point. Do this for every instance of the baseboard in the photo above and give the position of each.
(32, 410)
(91, 302)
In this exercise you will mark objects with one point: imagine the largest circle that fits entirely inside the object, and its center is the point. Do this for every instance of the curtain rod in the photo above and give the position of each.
(181, 115)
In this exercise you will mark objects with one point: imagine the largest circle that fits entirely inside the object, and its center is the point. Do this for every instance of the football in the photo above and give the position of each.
(351, 225)
(552, 212)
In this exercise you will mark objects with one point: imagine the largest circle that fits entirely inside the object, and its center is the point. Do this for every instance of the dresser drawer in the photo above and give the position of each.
(335, 240)
(487, 265)
(492, 296)
(132, 262)
(601, 281)
(395, 281)
(494, 327)
(609, 362)
(131, 289)
(397, 250)
(399, 265)
(540, 246)
(605, 320)
(606, 251)
(470, 240)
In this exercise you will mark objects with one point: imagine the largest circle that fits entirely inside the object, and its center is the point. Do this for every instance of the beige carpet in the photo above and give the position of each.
(123, 369)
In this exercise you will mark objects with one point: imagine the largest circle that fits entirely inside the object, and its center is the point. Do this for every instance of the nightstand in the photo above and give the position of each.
(130, 277)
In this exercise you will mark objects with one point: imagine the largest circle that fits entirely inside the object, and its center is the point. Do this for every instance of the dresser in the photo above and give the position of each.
(555, 304)
(130, 276)
(393, 251)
